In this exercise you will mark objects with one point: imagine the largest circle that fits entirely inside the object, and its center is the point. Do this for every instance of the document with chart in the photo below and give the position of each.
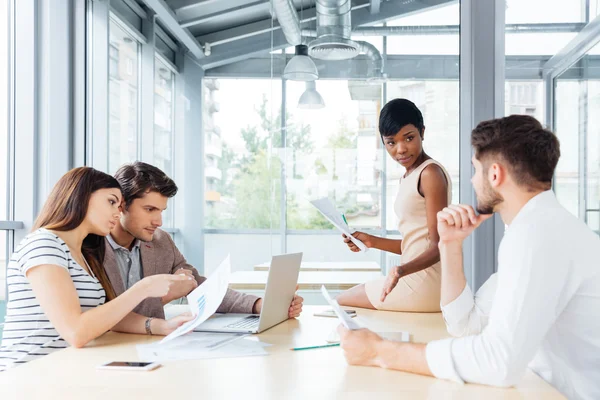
(205, 299)
(351, 324)
(348, 322)
(326, 207)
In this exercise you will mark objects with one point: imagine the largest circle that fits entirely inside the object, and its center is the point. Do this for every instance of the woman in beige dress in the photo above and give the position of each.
(425, 189)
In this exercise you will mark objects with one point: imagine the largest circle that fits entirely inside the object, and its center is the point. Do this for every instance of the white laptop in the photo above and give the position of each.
(279, 292)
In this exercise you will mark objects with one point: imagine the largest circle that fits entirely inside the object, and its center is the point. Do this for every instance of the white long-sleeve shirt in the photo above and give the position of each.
(540, 310)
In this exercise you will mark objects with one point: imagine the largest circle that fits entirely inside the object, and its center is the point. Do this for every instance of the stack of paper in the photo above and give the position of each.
(197, 345)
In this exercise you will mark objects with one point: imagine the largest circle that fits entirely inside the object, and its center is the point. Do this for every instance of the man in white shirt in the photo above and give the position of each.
(541, 309)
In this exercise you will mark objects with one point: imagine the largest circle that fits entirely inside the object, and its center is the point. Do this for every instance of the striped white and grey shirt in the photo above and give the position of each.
(28, 334)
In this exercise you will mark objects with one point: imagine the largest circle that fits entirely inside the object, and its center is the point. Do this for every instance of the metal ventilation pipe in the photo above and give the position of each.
(333, 31)
(288, 20)
(376, 68)
(333, 18)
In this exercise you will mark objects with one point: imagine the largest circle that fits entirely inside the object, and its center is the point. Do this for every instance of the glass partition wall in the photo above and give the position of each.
(576, 101)
(572, 83)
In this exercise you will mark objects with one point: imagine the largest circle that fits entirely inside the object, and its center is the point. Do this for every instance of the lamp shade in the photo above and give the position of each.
(311, 99)
(301, 67)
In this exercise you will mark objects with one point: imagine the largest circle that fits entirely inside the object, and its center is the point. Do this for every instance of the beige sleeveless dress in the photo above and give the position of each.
(418, 292)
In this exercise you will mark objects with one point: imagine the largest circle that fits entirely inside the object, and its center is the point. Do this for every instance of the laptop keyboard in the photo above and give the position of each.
(249, 322)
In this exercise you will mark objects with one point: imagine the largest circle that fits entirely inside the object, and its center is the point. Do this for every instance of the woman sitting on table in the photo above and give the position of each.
(424, 190)
(57, 287)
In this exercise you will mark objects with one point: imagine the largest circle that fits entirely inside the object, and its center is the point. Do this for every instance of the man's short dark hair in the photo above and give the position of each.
(139, 178)
(530, 151)
(398, 113)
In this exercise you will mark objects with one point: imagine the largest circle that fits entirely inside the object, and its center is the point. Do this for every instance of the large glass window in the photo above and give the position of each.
(544, 11)
(549, 12)
(163, 116)
(431, 43)
(577, 179)
(592, 156)
(242, 173)
(334, 152)
(164, 80)
(576, 95)
(123, 84)
(566, 184)
(242, 124)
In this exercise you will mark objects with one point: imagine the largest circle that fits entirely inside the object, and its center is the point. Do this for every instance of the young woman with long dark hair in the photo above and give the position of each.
(58, 291)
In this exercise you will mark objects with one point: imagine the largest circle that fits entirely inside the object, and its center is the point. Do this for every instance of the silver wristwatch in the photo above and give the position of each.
(148, 329)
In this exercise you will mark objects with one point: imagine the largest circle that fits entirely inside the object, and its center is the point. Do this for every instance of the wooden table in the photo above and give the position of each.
(307, 280)
(283, 374)
(330, 266)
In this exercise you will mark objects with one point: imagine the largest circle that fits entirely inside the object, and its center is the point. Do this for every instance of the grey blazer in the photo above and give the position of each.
(161, 256)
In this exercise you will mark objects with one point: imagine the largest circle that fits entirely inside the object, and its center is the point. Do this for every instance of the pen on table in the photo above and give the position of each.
(315, 347)
(343, 216)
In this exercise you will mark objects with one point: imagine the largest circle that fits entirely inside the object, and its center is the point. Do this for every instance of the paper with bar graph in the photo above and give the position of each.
(205, 299)
(326, 207)
(342, 316)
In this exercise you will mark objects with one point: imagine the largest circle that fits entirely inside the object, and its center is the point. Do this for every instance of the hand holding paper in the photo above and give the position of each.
(360, 236)
(344, 318)
(329, 211)
(205, 299)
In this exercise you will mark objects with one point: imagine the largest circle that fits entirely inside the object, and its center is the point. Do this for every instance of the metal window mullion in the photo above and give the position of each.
(481, 98)
(383, 254)
(11, 225)
(79, 146)
(582, 139)
(10, 170)
(55, 91)
(283, 194)
(98, 84)
(145, 109)
(26, 99)
(191, 120)
(173, 137)
(179, 161)
(585, 4)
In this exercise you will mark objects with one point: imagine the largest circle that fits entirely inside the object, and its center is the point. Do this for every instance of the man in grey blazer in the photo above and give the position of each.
(137, 248)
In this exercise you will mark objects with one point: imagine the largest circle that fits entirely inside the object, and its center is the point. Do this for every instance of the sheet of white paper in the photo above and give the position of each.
(348, 322)
(203, 345)
(326, 207)
(205, 299)
(399, 336)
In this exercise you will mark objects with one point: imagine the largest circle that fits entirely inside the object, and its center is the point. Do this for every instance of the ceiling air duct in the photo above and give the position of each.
(375, 74)
(333, 32)
(288, 20)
